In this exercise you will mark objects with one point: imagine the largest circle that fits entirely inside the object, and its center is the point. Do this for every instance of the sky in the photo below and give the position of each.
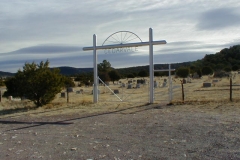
(57, 30)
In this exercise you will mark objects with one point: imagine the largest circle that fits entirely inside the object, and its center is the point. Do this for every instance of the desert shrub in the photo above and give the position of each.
(182, 72)
(143, 73)
(206, 70)
(37, 83)
(103, 76)
(2, 82)
(130, 75)
(227, 69)
(220, 74)
(235, 67)
(68, 81)
(114, 75)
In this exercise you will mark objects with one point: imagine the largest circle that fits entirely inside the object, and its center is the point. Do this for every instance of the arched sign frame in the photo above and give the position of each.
(150, 43)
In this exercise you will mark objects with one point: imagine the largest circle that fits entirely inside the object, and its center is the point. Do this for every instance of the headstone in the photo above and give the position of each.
(163, 84)
(215, 80)
(206, 84)
(116, 91)
(188, 80)
(138, 85)
(63, 94)
(10, 98)
(184, 81)
(144, 81)
(195, 75)
(69, 89)
(78, 92)
(129, 86)
(123, 85)
(155, 84)
(141, 81)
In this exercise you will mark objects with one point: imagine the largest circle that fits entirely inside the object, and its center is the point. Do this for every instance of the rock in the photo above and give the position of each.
(73, 149)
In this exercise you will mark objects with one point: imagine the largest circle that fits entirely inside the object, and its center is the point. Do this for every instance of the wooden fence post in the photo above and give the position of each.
(0, 95)
(230, 89)
(182, 91)
(67, 95)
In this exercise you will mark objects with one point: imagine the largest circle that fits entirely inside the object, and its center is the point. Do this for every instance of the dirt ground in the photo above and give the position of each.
(158, 131)
(205, 126)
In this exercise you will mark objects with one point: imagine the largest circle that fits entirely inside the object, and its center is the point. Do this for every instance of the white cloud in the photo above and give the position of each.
(58, 29)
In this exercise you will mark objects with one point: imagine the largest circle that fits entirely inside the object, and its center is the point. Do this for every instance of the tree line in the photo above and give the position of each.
(40, 84)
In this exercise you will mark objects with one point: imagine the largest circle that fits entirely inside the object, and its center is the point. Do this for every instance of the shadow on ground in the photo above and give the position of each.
(129, 110)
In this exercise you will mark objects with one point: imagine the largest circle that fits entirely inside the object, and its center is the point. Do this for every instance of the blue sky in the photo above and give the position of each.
(57, 30)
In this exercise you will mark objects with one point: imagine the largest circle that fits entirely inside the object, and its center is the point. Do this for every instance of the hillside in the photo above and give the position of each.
(227, 57)
(6, 74)
(73, 71)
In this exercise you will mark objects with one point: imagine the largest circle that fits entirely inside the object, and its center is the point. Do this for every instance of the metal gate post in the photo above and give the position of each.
(151, 74)
(95, 70)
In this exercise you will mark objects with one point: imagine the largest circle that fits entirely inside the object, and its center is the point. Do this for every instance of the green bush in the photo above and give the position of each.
(37, 83)
(182, 72)
(207, 70)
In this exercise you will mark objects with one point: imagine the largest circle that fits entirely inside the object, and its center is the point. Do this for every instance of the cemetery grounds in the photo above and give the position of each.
(205, 126)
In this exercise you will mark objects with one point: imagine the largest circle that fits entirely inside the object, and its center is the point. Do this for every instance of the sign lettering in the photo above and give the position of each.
(121, 50)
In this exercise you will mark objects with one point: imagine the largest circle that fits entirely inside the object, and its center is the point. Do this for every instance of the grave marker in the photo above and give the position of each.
(155, 84)
(138, 85)
(207, 84)
(116, 91)
(69, 89)
(129, 86)
(63, 94)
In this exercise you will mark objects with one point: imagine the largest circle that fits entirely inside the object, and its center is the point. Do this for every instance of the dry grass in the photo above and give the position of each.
(195, 94)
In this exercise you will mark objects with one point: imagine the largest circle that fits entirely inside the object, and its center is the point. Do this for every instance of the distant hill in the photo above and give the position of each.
(6, 74)
(63, 70)
(73, 71)
(227, 57)
(125, 71)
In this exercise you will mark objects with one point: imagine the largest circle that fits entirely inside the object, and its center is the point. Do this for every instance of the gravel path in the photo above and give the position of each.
(146, 132)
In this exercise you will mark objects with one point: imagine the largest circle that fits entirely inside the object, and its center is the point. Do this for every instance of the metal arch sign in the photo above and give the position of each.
(125, 45)
(121, 37)
(150, 43)
(121, 50)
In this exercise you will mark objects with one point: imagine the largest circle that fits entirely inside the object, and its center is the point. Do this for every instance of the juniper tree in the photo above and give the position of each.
(36, 82)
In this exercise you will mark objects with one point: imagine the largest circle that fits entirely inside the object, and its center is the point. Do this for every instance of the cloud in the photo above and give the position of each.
(57, 30)
(47, 49)
(220, 18)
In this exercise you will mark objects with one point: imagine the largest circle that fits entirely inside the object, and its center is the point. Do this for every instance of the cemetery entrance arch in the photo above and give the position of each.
(118, 41)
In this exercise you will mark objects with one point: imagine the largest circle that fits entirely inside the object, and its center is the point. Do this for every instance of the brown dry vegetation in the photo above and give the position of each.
(205, 126)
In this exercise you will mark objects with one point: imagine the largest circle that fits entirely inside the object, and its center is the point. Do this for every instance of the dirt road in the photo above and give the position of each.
(146, 132)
